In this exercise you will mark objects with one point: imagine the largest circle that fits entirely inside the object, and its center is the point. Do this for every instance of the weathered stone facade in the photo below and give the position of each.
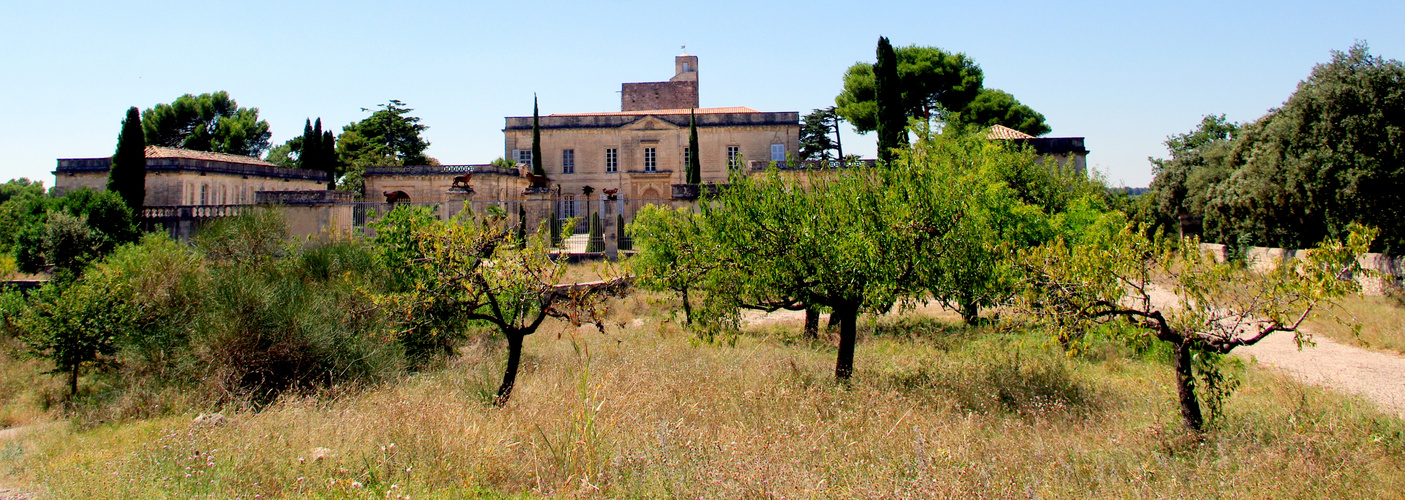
(679, 92)
(436, 183)
(179, 177)
(638, 153)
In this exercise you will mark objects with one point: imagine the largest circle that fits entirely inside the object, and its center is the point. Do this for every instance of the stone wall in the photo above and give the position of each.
(1389, 270)
(659, 95)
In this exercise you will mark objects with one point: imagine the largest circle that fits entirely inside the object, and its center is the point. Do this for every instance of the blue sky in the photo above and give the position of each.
(1122, 75)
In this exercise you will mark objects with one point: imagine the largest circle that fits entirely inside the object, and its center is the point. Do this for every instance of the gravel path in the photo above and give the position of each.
(1376, 376)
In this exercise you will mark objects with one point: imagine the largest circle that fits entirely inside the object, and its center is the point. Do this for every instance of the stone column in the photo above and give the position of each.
(539, 210)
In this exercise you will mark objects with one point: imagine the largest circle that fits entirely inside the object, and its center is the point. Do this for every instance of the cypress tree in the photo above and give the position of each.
(521, 225)
(537, 168)
(127, 177)
(694, 163)
(597, 234)
(892, 120)
(307, 152)
(313, 144)
(621, 241)
(329, 158)
(555, 230)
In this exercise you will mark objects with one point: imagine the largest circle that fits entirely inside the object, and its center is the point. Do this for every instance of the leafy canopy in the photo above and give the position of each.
(389, 136)
(207, 122)
(936, 85)
(1333, 155)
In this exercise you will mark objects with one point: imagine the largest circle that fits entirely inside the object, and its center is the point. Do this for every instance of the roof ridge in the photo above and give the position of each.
(169, 152)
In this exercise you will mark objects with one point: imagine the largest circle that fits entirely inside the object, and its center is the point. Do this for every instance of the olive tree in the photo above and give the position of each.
(76, 324)
(850, 240)
(1173, 292)
(472, 269)
(674, 254)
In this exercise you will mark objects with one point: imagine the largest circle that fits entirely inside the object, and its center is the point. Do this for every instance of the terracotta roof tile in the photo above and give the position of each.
(1001, 132)
(684, 111)
(163, 152)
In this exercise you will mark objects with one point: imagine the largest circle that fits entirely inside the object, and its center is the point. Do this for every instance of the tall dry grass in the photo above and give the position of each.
(935, 411)
(1375, 322)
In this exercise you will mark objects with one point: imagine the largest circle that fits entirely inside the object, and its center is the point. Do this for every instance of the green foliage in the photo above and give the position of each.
(1331, 156)
(127, 177)
(283, 155)
(317, 151)
(1170, 290)
(932, 84)
(852, 240)
(997, 107)
(22, 204)
(254, 237)
(815, 143)
(889, 93)
(207, 122)
(75, 325)
(471, 270)
(597, 235)
(500, 162)
(1184, 183)
(388, 137)
(694, 174)
(244, 316)
(674, 254)
(538, 162)
(78, 229)
(273, 318)
(20, 188)
(622, 241)
(163, 282)
(397, 245)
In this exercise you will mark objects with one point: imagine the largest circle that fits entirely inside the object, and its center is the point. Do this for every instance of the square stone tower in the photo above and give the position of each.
(679, 92)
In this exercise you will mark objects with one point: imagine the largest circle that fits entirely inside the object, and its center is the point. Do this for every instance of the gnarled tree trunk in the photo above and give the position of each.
(1185, 387)
(812, 323)
(848, 336)
(509, 376)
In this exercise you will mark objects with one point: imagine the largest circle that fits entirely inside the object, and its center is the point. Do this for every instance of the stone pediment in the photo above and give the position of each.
(650, 123)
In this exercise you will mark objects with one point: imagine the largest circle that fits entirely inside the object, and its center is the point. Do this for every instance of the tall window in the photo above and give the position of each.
(778, 152)
(734, 156)
(568, 206)
(612, 160)
(650, 160)
(687, 157)
(204, 194)
(522, 156)
(568, 161)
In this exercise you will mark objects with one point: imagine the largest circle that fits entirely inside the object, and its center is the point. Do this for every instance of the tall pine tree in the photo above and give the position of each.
(537, 168)
(694, 163)
(892, 120)
(128, 174)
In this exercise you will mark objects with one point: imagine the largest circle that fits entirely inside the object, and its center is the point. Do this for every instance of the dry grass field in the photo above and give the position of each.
(936, 410)
(1381, 321)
